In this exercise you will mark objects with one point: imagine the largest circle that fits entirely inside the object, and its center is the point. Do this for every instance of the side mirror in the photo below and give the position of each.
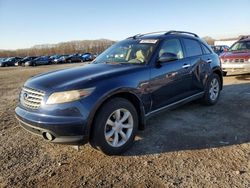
(167, 57)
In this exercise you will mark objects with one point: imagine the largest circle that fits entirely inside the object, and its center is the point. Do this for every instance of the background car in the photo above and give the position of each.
(53, 57)
(9, 61)
(87, 57)
(219, 49)
(60, 59)
(74, 58)
(24, 60)
(43, 60)
(237, 59)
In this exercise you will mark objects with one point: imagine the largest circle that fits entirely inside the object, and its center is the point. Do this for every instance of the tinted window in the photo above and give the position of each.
(193, 47)
(172, 46)
(205, 49)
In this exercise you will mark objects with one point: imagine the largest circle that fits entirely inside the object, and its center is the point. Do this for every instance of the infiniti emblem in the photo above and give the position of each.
(25, 96)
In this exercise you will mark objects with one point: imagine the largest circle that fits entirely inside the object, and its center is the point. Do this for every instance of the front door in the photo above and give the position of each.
(170, 81)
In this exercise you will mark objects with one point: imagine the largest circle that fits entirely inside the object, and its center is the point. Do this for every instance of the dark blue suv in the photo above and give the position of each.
(107, 101)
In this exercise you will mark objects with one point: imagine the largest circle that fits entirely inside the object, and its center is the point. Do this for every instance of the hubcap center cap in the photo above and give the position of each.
(118, 126)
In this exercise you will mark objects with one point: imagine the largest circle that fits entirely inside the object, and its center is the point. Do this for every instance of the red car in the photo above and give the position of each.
(237, 58)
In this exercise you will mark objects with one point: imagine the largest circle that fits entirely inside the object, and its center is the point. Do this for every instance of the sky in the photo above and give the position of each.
(25, 23)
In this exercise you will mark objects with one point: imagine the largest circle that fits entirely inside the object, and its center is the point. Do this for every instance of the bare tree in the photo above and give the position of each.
(72, 47)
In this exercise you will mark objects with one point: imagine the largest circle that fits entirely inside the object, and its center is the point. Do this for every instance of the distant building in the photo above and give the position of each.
(228, 42)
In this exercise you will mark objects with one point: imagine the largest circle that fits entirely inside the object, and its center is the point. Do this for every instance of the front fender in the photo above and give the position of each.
(108, 95)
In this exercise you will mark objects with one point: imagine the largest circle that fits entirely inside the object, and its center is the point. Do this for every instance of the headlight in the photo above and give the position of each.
(68, 96)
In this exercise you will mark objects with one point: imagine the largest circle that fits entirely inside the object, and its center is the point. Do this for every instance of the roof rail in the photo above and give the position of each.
(244, 37)
(154, 32)
(181, 32)
(165, 33)
(135, 36)
(140, 35)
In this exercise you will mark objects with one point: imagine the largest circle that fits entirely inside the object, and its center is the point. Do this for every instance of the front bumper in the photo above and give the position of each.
(234, 67)
(64, 130)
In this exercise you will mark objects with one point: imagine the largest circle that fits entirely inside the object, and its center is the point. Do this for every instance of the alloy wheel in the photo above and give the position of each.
(214, 89)
(119, 127)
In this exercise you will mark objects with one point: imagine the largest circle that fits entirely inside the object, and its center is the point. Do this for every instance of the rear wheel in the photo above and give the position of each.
(115, 126)
(212, 90)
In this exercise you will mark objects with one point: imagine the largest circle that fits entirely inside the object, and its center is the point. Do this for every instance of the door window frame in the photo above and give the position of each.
(161, 43)
(185, 49)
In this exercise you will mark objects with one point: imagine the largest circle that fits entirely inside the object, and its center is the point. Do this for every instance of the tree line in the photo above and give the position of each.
(72, 47)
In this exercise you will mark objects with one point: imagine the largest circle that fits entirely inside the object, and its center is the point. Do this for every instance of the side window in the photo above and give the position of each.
(205, 49)
(193, 47)
(172, 46)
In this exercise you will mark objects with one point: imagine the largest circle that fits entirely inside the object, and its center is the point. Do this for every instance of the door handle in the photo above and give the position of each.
(209, 61)
(186, 66)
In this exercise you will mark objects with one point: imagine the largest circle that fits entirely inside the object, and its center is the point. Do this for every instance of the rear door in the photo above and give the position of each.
(199, 61)
(170, 81)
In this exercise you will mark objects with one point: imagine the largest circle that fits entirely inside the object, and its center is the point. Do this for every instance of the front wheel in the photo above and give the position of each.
(114, 128)
(212, 90)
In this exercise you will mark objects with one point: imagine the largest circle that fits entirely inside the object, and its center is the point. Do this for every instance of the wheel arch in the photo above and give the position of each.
(219, 73)
(126, 94)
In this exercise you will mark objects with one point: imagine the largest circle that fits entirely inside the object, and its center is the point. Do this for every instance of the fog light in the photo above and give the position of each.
(48, 136)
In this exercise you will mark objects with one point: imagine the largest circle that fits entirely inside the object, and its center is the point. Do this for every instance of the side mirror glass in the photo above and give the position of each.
(167, 57)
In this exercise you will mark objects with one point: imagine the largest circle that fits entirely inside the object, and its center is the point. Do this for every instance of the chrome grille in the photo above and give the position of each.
(239, 60)
(31, 98)
(234, 60)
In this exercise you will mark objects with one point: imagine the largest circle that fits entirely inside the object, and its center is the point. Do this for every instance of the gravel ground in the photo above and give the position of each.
(192, 146)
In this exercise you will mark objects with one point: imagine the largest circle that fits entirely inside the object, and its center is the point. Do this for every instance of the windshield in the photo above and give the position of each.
(9, 59)
(239, 46)
(128, 51)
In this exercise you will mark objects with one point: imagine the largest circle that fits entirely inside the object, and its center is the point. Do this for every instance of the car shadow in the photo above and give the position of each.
(243, 77)
(195, 126)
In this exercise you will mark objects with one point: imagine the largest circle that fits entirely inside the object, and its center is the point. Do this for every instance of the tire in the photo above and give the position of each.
(107, 137)
(212, 90)
(6, 65)
(34, 64)
(224, 73)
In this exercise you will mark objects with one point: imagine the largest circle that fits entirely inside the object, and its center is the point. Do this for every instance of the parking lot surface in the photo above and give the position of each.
(192, 146)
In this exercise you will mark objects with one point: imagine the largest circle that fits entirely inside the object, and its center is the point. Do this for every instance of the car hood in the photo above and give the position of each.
(78, 77)
(236, 54)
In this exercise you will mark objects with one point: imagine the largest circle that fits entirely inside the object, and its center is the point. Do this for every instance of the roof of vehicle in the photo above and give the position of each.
(165, 34)
(245, 38)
